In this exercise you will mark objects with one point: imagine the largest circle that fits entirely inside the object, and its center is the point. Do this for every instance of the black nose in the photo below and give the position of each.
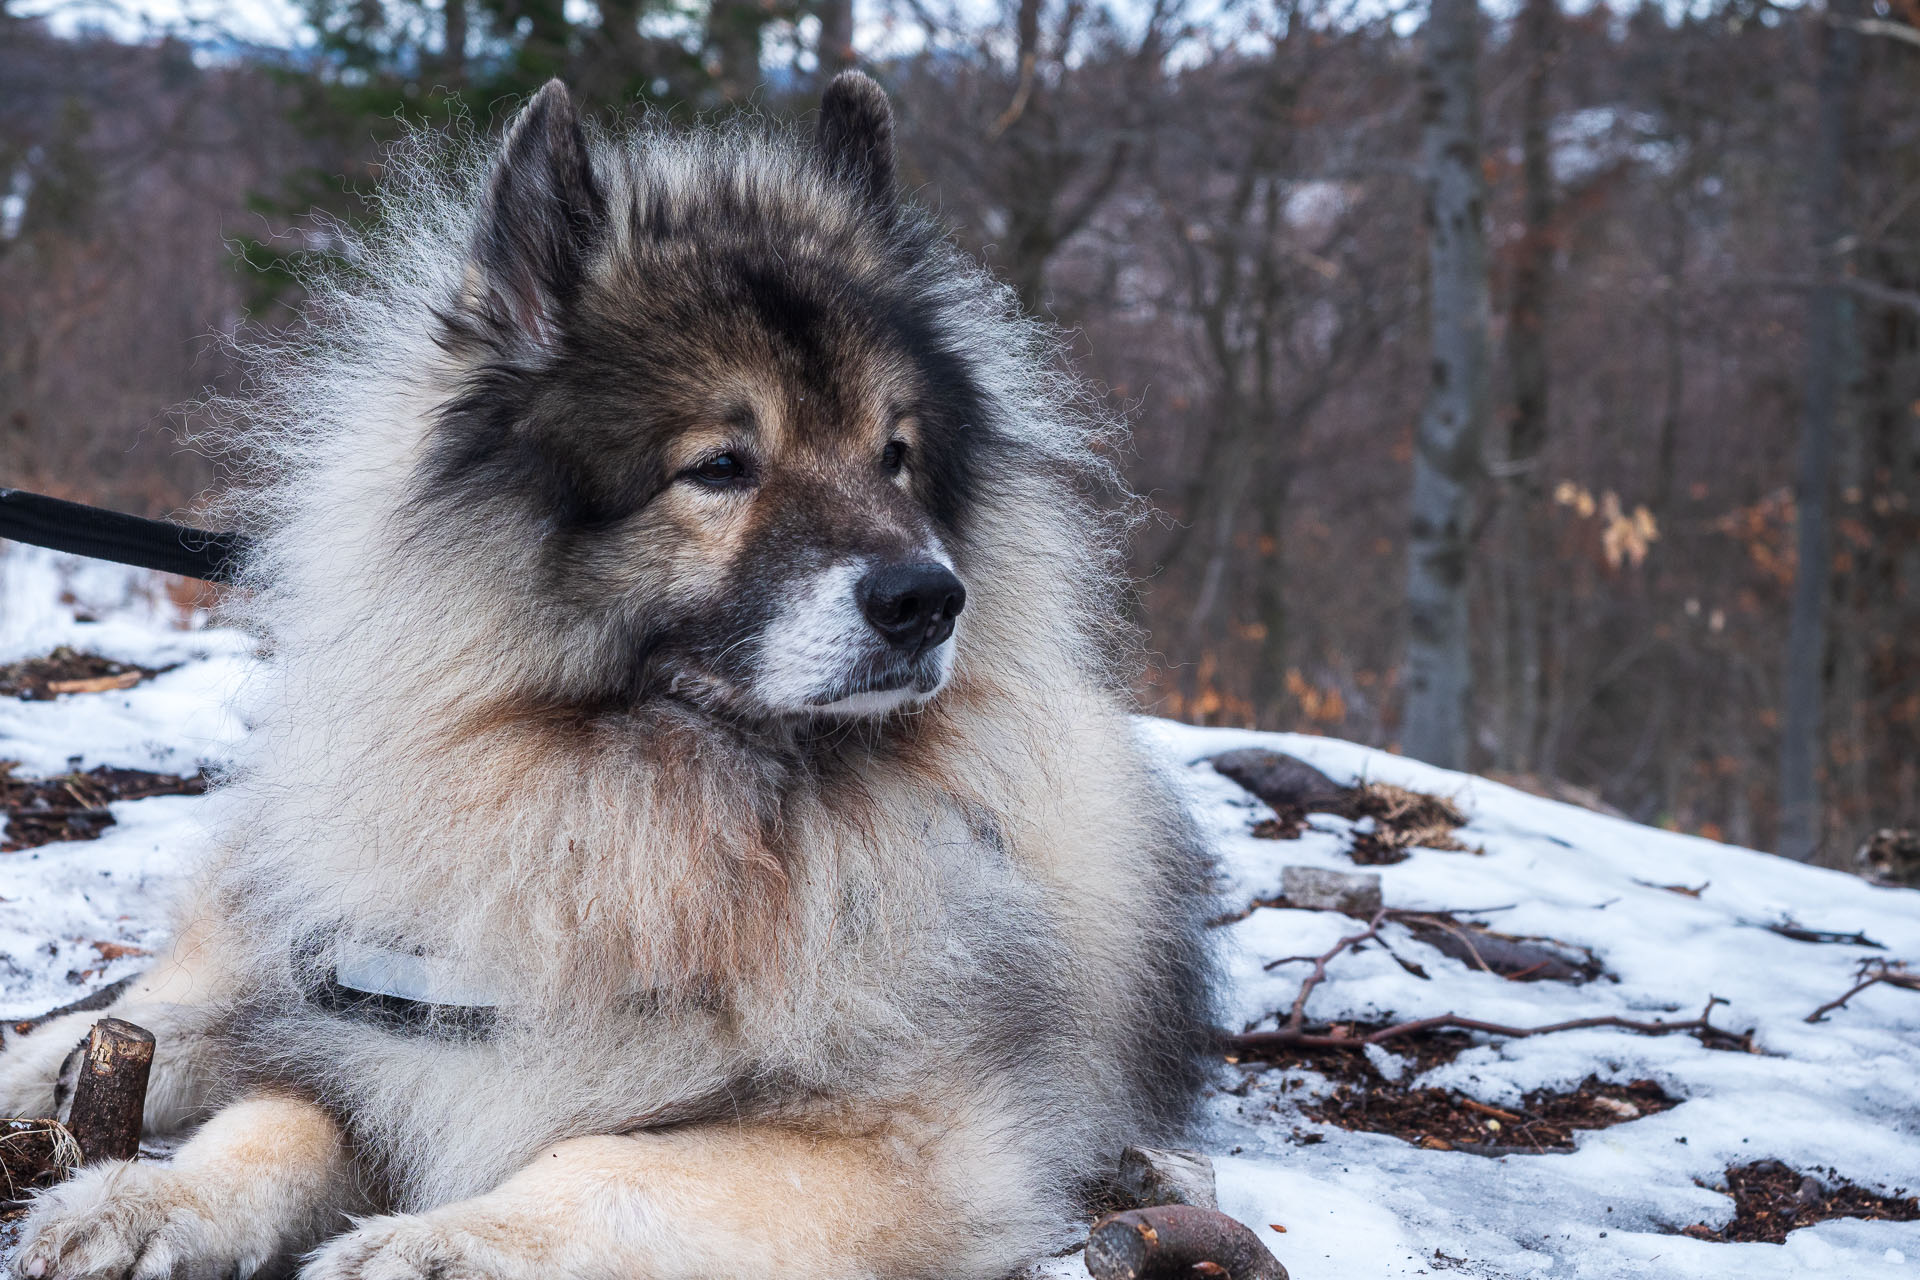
(913, 605)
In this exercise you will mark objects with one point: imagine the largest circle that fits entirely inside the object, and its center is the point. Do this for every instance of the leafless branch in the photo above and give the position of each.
(1294, 1035)
(1878, 27)
(1871, 972)
(1291, 1037)
(1871, 290)
(1296, 1017)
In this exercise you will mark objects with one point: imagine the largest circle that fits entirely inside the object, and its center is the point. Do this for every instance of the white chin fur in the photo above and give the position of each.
(878, 703)
(817, 640)
(868, 704)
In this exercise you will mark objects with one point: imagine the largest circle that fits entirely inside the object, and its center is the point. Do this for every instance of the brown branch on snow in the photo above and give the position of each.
(1294, 1035)
(1292, 1038)
(1871, 972)
(1296, 1017)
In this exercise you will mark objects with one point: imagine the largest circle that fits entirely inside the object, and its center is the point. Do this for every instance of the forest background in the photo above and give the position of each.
(1534, 390)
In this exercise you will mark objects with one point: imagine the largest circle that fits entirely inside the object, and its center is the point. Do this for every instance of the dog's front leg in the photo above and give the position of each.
(261, 1182)
(709, 1204)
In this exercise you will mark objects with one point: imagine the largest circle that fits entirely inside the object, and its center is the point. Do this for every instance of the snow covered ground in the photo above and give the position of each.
(1842, 1095)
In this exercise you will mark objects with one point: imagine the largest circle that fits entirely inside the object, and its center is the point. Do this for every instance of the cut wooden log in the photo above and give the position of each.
(1177, 1240)
(110, 1095)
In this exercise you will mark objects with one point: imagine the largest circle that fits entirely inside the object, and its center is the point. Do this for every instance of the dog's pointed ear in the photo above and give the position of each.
(856, 137)
(543, 214)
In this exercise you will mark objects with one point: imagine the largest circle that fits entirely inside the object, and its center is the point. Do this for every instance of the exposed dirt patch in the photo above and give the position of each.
(1290, 825)
(1442, 1120)
(33, 1154)
(1400, 820)
(1770, 1199)
(73, 806)
(69, 671)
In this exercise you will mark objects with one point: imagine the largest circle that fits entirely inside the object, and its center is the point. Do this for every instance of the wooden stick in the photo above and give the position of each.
(1290, 1037)
(111, 1094)
(1871, 972)
(1177, 1240)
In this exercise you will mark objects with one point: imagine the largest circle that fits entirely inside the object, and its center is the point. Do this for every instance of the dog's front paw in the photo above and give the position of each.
(403, 1247)
(124, 1221)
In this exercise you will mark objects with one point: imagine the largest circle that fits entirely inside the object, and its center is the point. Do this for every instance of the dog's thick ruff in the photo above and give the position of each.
(825, 930)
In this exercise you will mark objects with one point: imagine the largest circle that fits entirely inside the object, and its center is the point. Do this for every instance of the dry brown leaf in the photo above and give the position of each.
(97, 684)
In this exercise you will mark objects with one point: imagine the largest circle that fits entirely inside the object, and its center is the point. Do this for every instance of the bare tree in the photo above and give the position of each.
(1282, 311)
(1829, 321)
(734, 32)
(1029, 152)
(835, 49)
(454, 36)
(1447, 442)
(1527, 303)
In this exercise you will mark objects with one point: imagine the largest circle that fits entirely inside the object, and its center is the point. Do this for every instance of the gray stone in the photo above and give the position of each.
(1356, 893)
(1150, 1176)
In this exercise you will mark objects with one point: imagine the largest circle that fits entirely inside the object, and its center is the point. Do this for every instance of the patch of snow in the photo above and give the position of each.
(58, 900)
(1839, 1094)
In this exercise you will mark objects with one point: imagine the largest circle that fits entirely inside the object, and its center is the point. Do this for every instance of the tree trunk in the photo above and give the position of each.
(1447, 443)
(734, 28)
(1829, 315)
(1270, 605)
(454, 57)
(836, 37)
(1527, 360)
(543, 52)
(1674, 352)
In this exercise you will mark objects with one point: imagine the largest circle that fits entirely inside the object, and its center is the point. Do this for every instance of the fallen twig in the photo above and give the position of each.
(1800, 933)
(1871, 972)
(1292, 1034)
(1291, 1037)
(1685, 891)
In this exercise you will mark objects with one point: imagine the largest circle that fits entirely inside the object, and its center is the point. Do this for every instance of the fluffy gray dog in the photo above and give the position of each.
(692, 826)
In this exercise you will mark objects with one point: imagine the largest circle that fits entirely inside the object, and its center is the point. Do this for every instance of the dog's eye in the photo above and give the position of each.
(722, 470)
(894, 456)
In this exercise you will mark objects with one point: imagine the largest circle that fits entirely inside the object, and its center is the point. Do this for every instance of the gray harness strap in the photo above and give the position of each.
(401, 991)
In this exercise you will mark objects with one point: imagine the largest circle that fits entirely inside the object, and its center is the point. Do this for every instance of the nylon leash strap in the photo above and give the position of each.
(81, 530)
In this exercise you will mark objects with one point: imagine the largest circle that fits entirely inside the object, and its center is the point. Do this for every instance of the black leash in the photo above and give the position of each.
(112, 535)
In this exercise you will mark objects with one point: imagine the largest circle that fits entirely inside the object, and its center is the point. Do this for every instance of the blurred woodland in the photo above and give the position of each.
(1660, 548)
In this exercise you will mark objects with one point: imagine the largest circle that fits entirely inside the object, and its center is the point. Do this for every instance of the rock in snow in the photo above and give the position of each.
(1837, 1100)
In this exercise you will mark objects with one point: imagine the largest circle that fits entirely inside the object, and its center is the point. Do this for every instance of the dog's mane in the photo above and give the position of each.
(390, 726)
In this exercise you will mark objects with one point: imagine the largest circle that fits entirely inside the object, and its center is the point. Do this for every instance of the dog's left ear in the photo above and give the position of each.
(856, 137)
(543, 214)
